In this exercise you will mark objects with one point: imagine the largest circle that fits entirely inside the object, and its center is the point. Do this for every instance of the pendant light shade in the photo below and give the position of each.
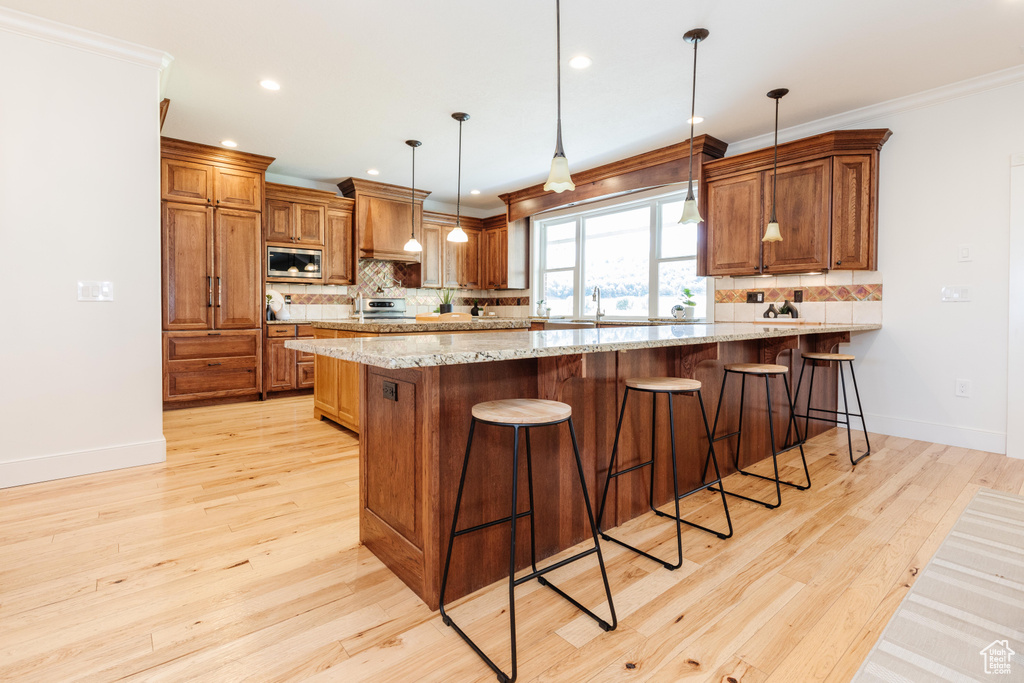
(413, 244)
(458, 234)
(690, 213)
(771, 233)
(559, 179)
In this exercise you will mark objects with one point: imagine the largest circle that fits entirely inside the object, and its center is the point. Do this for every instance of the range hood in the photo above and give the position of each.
(382, 218)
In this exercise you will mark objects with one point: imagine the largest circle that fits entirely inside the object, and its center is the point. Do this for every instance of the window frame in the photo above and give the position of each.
(655, 201)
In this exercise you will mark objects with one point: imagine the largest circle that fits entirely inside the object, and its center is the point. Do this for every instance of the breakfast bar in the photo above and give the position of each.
(417, 393)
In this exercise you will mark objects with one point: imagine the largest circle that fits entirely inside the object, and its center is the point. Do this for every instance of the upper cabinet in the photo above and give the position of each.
(449, 264)
(826, 191)
(505, 254)
(339, 258)
(296, 215)
(385, 215)
(213, 184)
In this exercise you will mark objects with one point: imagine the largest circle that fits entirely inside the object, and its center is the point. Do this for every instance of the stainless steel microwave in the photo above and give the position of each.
(294, 264)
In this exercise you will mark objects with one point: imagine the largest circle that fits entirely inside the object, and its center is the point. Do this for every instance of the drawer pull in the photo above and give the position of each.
(213, 334)
(209, 289)
(212, 364)
(219, 292)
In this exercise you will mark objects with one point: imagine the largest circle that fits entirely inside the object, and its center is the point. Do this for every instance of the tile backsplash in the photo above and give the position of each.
(834, 297)
(332, 302)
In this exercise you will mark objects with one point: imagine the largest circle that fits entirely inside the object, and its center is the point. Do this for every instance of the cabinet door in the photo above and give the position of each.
(237, 291)
(802, 207)
(469, 261)
(309, 224)
(280, 366)
(304, 374)
(185, 181)
(278, 220)
(733, 225)
(431, 262)
(489, 257)
(234, 189)
(325, 387)
(503, 258)
(338, 248)
(854, 235)
(186, 253)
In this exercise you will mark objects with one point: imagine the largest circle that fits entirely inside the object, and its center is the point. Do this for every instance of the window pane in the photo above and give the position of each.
(676, 240)
(560, 250)
(558, 292)
(617, 253)
(673, 276)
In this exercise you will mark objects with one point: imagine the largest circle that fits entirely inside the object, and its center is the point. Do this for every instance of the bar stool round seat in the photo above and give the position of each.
(663, 384)
(757, 368)
(829, 356)
(522, 411)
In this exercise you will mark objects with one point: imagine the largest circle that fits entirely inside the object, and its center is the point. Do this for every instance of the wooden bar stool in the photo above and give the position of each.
(839, 358)
(523, 414)
(767, 371)
(668, 386)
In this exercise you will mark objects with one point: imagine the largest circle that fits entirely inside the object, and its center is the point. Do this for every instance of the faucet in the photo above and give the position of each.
(359, 305)
(389, 282)
(596, 296)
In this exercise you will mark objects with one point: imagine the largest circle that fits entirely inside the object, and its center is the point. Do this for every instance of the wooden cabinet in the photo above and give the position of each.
(210, 365)
(336, 387)
(339, 266)
(490, 252)
(803, 198)
(285, 369)
(826, 205)
(462, 260)
(211, 271)
(384, 216)
(432, 258)
(296, 215)
(449, 264)
(504, 254)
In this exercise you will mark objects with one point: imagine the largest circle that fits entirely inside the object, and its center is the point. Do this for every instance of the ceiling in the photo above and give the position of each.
(359, 78)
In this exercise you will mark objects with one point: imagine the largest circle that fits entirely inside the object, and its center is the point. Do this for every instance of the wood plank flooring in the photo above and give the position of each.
(238, 559)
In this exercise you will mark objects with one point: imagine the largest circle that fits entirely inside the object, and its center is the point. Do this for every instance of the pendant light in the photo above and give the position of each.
(458, 234)
(412, 244)
(559, 179)
(690, 213)
(771, 233)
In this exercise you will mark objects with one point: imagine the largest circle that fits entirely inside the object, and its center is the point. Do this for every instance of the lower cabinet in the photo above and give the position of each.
(336, 389)
(203, 365)
(285, 369)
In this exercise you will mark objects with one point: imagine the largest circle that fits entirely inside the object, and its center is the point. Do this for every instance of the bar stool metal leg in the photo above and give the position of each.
(845, 412)
(860, 412)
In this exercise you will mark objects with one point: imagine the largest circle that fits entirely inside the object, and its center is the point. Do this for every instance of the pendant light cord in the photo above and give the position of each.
(693, 111)
(458, 196)
(775, 161)
(412, 196)
(558, 74)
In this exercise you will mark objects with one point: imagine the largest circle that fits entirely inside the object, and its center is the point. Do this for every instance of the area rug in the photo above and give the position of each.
(963, 620)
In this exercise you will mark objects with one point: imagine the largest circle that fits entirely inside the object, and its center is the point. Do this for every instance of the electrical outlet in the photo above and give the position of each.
(798, 296)
(755, 297)
(963, 253)
(287, 298)
(963, 388)
(390, 391)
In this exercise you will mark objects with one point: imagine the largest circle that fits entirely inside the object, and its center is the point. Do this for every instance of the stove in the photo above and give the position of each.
(383, 309)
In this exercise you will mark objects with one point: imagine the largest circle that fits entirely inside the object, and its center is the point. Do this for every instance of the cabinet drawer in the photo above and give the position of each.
(210, 378)
(183, 346)
(304, 373)
(304, 331)
(280, 330)
(305, 356)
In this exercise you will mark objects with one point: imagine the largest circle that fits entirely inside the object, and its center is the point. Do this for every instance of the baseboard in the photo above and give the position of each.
(64, 465)
(964, 437)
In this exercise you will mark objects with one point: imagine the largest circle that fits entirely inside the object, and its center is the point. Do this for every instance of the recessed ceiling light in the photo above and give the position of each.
(474, 191)
(696, 120)
(373, 171)
(229, 143)
(270, 85)
(580, 62)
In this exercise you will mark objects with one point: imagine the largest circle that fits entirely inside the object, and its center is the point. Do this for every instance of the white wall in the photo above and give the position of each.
(1015, 357)
(945, 182)
(79, 199)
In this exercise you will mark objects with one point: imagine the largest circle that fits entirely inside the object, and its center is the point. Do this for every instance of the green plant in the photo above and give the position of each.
(688, 297)
(446, 295)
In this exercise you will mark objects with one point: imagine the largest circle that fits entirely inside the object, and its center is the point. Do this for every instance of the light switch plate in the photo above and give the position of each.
(956, 294)
(95, 290)
(963, 253)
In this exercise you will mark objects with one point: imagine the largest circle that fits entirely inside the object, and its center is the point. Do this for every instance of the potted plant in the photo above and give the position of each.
(446, 296)
(685, 310)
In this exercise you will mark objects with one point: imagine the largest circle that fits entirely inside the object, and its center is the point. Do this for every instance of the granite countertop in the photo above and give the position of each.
(429, 350)
(405, 326)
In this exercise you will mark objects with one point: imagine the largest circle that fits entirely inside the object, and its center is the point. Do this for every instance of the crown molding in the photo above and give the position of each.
(81, 39)
(864, 115)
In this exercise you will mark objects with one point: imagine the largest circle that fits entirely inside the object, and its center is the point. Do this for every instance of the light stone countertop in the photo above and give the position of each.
(395, 352)
(400, 327)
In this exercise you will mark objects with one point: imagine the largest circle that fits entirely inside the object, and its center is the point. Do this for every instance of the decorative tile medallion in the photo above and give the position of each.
(820, 293)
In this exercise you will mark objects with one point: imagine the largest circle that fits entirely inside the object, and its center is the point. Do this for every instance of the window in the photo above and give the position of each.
(635, 251)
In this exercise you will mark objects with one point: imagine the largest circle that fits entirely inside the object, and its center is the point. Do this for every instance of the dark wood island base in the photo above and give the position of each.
(417, 423)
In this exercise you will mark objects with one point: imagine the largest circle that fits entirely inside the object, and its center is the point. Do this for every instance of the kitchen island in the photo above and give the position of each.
(416, 393)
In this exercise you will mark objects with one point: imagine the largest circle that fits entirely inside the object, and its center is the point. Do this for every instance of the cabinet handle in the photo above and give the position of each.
(209, 291)
(220, 292)
(213, 334)
(212, 364)
(839, 263)
(218, 201)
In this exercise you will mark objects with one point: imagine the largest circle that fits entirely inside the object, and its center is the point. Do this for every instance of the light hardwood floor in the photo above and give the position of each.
(239, 560)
